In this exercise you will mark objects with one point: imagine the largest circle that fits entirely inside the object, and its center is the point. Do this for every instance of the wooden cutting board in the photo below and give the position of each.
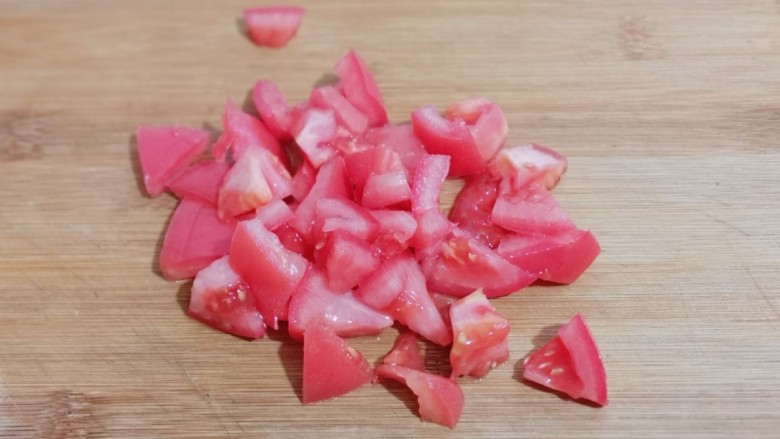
(668, 111)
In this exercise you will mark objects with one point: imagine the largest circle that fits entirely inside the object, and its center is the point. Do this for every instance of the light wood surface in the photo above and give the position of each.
(669, 113)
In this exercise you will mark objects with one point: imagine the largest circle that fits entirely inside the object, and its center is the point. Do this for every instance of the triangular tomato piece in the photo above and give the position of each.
(195, 237)
(273, 109)
(164, 151)
(314, 303)
(530, 209)
(240, 131)
(406, 352)
(330, 182)
(347, 260)
(201, 180)
(441, 399)
(361, 89)
(253, 181)
(570, 363)
(222, 300)
(271, 270)
(331, 368)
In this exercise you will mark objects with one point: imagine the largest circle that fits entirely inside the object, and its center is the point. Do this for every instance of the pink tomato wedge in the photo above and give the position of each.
(273, 26)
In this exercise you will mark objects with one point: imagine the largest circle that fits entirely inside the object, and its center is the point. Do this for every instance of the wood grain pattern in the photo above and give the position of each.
(669, 113)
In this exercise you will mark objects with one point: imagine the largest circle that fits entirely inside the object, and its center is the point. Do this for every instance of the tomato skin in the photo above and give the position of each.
(360, 88)
(315, 303)
(570, 363)
(273, 109)
(273, 26)
(195, 237)
(441, 399)
(222, 300)
(479, 336)
(164, 151)
(331, 368)
(559, 258)
(271, 270)
(452, 138)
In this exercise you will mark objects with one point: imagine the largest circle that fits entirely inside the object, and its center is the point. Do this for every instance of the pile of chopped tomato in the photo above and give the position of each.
(323, 219)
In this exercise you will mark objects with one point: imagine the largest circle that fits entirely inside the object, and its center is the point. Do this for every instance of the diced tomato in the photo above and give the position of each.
(274, 214)
(331, 182)
(401, 139)
(428, 180)
(348, 260)
(313, 132)
(443, 303)
(441, 399)
(486, 121)
(293, 241)
(315, 303)
(273, 109)
(164, 151)
(271, 270)
(463, 265)
(473, 206)
(530, 163)
(452, 138)
(570, 363)
(432, 228)
(386, 189)
(406, 352)
(479, 340)
(273, 26)
(240, 131)
(346, 114)
(253, 181)
(558, 258)
(201, 180)
(530, 210)
(360, 88)
(222, 300)
(194, 239)
(339, 214)
(331, 368)
(303, 180)
(396, 229)
(359, 166)
(398, 288)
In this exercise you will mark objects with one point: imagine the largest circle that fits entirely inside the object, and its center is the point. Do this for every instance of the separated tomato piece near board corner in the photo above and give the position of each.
(441, 400)
(479, 336)
(331, 368)
(222, 300)
(195, 237)
(570, 363)
(164, 151)
(273, 26)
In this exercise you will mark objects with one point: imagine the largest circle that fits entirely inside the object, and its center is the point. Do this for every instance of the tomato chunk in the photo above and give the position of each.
(315, 303)
(254, 180)
(331, 368)
(530, 163)
(240, 131)
(201, 180)
(360, 88)
(479, 336)
(441, 399)
(570, 363)
(486, 122)
(339, 214)
(273, 26)
(314, 130)
(530, 210)
(222, 300)
(195, 238)
(273, 109)
(330, 182)
(560, 258)
(452, 138)
(347, 259)
(406, 352)
(271, 270)
(401, 139)
(274, 214)
(473, 206)
(164, 151)
(347, 116)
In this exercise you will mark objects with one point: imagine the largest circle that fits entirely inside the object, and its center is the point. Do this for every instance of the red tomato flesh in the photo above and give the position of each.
(201, 180)
(479, 336)
(331, 368)
(570, 363)
(273, 26)
(273, 109)
(164, 151)
(222, 300)
(406, 352)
